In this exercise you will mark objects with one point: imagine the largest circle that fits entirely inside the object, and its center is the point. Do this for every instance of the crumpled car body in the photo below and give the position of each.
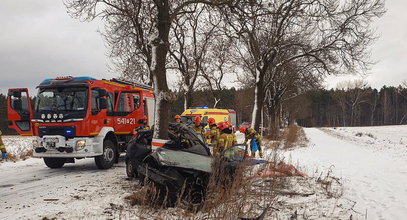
(181, 167)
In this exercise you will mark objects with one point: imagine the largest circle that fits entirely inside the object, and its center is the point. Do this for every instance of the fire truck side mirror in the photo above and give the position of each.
(102, 103)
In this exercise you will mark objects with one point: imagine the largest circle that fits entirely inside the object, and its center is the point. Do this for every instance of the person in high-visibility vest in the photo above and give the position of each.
(255, 140)
(226, 138)
(144, 126)
(197, 126)
(2, 148)
(212, 136)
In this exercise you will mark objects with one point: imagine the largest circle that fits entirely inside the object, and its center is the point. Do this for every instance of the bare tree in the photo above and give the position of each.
(217, 65)
(333, 34)
(286, 83)
(357, 94)
(192, 37)
(140, 29)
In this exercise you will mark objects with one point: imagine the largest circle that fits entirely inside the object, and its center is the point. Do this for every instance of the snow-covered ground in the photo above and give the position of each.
(30, 190)
(17, 146)
(371, 161)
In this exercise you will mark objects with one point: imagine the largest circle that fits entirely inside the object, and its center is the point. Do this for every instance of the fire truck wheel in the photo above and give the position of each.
(54, 162)
(106, 160)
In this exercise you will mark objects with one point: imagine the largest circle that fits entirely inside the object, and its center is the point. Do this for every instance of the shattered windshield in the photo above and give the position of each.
(183, 137)
(61, 99)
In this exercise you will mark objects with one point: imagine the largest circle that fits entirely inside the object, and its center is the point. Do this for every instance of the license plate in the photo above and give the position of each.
(51, 140)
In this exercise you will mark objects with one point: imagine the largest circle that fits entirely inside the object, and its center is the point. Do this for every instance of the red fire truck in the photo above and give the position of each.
(79, 117)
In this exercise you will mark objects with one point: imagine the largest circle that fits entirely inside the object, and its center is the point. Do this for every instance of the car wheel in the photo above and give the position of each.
(107, 159)
(131, 169)
(54, 162)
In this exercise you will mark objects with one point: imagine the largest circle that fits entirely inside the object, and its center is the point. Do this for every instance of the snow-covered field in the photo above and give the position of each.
(370, 162)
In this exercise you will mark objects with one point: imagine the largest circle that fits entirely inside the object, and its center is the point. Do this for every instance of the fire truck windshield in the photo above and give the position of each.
(61, 99)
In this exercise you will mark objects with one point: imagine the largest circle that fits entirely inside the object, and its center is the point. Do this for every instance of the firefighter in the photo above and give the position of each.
(212, 136)
(144, 126)
(226, 138)
(255, 140)
(2, 148)
(198, 126)
(177, 119)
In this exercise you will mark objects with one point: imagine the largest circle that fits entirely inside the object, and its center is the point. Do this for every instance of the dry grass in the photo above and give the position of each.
(22, 156)
(26, 154)
(11, 157)
(294, 136)
(230, 194)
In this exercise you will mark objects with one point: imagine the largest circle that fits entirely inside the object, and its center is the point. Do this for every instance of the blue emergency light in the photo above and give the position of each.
(70, 77)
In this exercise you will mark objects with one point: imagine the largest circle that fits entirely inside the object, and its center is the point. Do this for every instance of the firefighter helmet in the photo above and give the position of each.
(197, 120)
(222, 126)
(243, 129)
(211, 121)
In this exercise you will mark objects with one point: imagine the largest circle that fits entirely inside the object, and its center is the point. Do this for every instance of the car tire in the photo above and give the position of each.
(54, 162)
(107, 159)
(131, 169)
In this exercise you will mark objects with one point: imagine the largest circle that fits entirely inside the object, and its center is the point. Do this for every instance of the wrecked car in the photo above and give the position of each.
(181, 167)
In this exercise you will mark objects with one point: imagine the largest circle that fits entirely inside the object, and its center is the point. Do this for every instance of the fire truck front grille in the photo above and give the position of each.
(67, 131)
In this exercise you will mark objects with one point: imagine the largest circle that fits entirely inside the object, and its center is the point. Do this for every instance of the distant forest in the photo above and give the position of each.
(355, 107)
(315, 108)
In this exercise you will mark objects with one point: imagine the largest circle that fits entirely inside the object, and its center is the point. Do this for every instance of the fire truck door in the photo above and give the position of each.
(19, 111)
(101, 107)
(128, 113)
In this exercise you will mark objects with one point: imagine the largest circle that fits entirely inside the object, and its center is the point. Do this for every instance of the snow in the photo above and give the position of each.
(369, 162)
(373, 170)
(17, 145)
(31, 190)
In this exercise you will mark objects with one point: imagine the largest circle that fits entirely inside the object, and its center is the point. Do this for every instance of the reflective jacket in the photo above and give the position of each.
(212, 136)
(226, 141)
(142, 128)
(252, 134)
(2, 147)
(198, 129)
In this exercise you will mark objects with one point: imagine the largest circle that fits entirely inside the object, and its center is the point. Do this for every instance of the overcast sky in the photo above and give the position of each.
(39, 40)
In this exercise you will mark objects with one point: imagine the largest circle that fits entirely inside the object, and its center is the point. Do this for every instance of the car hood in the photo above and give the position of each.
(183, 159)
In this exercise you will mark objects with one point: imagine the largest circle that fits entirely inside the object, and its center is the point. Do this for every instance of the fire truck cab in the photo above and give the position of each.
(79, 117)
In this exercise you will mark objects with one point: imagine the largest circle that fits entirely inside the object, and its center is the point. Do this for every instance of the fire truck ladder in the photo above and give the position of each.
(134, 84)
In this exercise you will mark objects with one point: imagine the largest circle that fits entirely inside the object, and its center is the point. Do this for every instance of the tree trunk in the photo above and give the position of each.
(258, 101)
(187, 90)
(187, 99)
(159, 48)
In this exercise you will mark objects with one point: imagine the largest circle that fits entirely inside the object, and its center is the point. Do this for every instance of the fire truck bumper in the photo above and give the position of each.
(58, 146)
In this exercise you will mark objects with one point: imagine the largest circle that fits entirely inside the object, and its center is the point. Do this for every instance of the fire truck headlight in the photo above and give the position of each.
(80, 144)
(35, 144)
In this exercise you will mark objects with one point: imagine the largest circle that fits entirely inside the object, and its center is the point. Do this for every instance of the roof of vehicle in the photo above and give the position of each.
(207, 111)
(64, 81)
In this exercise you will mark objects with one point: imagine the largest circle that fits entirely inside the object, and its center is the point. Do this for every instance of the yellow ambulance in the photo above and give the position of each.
(220, 115)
